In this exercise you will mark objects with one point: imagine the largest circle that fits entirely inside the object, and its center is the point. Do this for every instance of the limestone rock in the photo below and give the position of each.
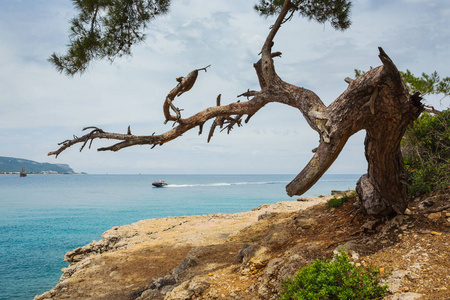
(273, 266)
(394, 281)
(304, 223)
(370, 226)
(196, 257)
(266, 215)
(254, 255)
(187, 290)
(189, 261)
(149, 295)
(407, 296)
(434, 216)
(397, 220)
(161, 282)
(113, 239)
(427, 203)
(339, 193)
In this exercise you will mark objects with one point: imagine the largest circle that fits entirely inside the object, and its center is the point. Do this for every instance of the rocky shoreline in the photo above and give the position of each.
(240, 256)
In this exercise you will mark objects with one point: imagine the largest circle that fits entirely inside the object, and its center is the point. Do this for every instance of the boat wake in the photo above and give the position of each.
(224, 184)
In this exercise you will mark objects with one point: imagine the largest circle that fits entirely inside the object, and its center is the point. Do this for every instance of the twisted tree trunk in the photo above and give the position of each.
(377, 102)
(383, 190)
(380, 103)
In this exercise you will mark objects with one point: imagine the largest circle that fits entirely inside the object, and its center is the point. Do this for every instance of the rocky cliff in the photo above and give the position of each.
(11, 164)
(247, 255)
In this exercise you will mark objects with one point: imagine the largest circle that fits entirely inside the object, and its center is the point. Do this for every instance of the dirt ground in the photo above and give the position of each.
(246, 255)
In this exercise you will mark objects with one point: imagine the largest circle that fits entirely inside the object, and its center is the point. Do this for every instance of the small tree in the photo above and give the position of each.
(426, 143)
(426, 150)
(378, 102)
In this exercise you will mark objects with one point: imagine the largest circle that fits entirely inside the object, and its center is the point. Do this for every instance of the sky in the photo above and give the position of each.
(40, 107)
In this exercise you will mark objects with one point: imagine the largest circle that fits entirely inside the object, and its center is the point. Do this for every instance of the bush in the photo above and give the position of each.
(338, 279)
(337, 202)
(426, 153)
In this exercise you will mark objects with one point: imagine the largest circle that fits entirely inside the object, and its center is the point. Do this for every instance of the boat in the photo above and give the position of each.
(159, 183)
(23, 173)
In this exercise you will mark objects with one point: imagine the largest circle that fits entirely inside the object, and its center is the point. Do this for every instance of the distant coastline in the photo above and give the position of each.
(13, 166)
(42, 173)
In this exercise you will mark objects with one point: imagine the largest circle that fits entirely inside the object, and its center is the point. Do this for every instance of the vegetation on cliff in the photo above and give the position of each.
(426, 143)
(426, 150)
(336, 279)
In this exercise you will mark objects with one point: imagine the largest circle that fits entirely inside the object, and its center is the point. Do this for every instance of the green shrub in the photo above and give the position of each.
(338, 279)
(337, 202)
(426, 153)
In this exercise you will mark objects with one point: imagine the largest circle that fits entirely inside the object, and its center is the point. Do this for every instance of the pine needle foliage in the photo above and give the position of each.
(337, 12)
(105, 29)
(427, 84)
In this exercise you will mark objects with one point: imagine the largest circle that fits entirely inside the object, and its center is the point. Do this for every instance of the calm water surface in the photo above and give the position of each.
(44, 216)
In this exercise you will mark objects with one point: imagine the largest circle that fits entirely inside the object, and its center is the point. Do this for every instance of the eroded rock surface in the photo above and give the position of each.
(248, 255)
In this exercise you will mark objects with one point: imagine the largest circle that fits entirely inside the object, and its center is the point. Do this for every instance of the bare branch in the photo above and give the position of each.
(430, 109)
(218, 99)
(238, 109)
(248, 94)
(211, 130)
(231, 122)
(348, 80)
(184, 85)
(248, 118)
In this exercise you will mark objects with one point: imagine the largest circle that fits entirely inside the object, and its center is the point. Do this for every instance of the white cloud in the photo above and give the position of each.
(40, 107)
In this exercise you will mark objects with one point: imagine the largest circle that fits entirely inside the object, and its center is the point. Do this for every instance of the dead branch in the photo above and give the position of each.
(183, 86)
(199, 119)
(231, 122)
(430, 109)
(348, 80)
(248, 94)
(89, 135)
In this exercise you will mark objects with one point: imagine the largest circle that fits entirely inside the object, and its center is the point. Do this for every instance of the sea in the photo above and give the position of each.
(44, 216)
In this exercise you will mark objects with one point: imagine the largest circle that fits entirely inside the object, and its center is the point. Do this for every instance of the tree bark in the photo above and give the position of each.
(379, 103)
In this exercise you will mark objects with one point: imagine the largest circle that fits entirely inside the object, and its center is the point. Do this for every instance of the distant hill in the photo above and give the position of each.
(11, 164)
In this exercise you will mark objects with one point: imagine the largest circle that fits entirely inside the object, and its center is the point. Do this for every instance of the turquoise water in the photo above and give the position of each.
(44, 216)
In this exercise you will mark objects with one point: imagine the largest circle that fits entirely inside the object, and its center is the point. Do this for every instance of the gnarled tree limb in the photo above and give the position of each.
(249, 107)
(184, 85)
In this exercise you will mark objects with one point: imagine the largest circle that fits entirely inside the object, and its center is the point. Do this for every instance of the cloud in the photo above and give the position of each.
(40, 107)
